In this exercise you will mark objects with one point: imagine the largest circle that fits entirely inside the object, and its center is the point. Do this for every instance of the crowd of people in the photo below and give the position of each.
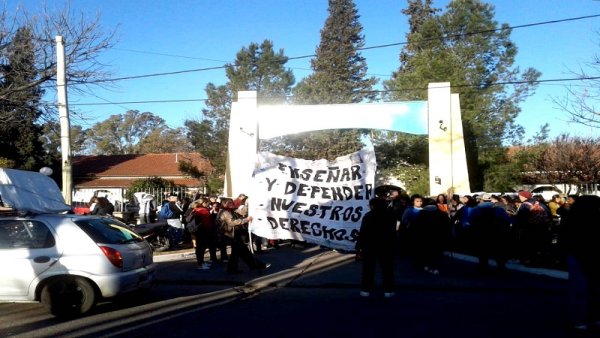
(209, 224)
(525, 228)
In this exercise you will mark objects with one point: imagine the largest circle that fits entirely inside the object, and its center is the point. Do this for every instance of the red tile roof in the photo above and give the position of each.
(121, 170)
(125, 182)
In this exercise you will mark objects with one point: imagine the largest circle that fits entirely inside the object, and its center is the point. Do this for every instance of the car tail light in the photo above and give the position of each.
(113, 255)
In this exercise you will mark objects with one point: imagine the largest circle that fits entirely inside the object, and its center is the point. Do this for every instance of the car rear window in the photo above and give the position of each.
(108, 231)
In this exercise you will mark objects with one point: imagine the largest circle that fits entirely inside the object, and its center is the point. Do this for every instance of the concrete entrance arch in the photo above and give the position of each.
(439, 117)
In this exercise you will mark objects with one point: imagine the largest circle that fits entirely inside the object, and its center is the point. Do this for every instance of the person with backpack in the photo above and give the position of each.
(532, 223)
(171, 212)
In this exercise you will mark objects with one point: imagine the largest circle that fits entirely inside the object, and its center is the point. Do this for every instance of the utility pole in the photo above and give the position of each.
(63, 112)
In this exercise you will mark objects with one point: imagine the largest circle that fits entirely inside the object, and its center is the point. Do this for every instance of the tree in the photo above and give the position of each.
(403, 156)
(122, 134)
(149, 184)
(20, 133)
(580, 102)
(28, 61)
(51, 139)
(84, 42)
(165, 140)
(466, 47)
(257, 67)
(339, 76)
(566, 160)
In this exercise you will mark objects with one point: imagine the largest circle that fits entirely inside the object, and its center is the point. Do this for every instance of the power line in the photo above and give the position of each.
(371, 91)
(363, 48)
(135, 102)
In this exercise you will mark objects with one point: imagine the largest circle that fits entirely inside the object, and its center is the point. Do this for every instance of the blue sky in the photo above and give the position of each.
(156, 36)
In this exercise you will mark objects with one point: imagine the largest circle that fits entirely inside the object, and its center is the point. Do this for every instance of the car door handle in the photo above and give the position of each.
(42, 259)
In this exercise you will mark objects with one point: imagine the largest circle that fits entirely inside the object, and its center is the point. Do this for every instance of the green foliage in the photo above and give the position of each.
(6, 163)
(165, 140)
(214, 186)
(414, 177)
(20, 111)
(188, 168)
(122, 134)
(395, 149)
(257, 67)
(442, 48)
(404, 157)
(51, 138)
(339, 76)
(149, 183)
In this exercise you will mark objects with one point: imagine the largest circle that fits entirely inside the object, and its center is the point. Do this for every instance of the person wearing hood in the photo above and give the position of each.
(147, 210)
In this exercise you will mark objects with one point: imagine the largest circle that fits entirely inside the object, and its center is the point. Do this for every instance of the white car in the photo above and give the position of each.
(68, 262)
(547, 192)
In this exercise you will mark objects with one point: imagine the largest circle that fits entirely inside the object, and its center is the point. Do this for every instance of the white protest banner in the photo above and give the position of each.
(320, 202)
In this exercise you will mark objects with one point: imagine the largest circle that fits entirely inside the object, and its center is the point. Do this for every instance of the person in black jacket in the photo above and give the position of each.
(376, 241)
(581, 237)
(430, 233)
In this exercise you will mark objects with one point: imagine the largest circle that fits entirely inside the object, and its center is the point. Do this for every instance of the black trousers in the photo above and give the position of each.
(386, 261)
(239, 250)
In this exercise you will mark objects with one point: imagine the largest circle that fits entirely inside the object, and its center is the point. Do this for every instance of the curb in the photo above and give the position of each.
(514, 266)
(184, 254)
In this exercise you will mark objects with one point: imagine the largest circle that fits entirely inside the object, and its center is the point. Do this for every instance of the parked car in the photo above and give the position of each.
(67, 262)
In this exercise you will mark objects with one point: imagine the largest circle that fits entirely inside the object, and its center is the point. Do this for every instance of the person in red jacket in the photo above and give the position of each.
(204, 233)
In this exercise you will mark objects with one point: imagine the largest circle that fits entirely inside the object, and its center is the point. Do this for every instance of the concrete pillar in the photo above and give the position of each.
(447, 157)
(243, 145)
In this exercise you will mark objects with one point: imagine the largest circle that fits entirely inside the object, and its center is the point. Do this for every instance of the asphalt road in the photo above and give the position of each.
(314, 293)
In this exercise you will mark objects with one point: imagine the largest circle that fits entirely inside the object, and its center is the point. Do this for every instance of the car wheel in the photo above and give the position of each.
(68, 297)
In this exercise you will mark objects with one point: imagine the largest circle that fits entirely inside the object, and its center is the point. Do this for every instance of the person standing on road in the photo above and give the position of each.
(203, 234)
(233, 228)
(532, 222)
(376, 242)
(430, 233)
(581, 235)
(174, 221)
(490, 233)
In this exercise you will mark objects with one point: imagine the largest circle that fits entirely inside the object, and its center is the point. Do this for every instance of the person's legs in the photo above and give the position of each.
(172, 237)
(178, 235)
(578, 292)
(248, 258)
(368, 272)
(387, 270)
(223, 241)
(201, 245)
(212, 245)
(232, 265)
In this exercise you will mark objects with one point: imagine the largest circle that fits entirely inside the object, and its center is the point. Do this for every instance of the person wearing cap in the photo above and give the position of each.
(532, 223)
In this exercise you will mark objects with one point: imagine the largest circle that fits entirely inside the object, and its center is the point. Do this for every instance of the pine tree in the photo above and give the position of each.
(339, 76)
(468, 48)
(20, 111)
(257, 67)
